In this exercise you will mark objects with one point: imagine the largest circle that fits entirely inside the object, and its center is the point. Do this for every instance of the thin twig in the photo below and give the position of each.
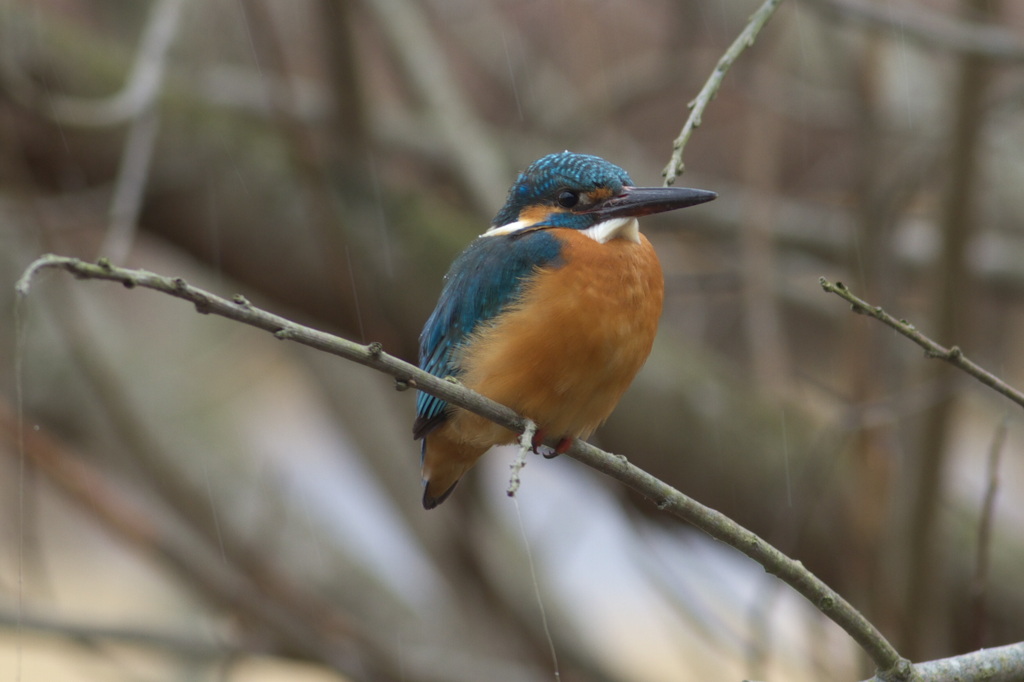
(745, 39)
(891, 666)
(953, 355)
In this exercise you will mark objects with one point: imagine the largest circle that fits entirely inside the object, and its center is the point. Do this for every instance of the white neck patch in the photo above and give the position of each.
(507, 229)
(616, 228)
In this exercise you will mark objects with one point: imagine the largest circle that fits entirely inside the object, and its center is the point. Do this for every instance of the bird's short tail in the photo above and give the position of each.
(444, 462)
(430, 500)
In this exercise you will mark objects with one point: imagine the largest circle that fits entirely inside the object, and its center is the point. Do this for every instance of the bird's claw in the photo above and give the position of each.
(559, 448)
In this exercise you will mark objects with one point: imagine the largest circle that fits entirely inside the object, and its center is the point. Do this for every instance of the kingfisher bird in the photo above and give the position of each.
(552, 312)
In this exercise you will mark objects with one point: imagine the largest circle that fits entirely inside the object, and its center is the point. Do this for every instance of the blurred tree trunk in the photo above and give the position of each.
(954, 302)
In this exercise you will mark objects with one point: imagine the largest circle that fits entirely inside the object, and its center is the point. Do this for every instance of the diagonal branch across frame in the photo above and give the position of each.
(953, 355)
(891, 666)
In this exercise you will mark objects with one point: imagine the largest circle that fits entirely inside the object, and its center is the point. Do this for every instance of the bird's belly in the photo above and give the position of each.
(565, 354)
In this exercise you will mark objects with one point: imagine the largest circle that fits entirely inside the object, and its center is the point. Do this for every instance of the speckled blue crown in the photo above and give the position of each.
(565, 169)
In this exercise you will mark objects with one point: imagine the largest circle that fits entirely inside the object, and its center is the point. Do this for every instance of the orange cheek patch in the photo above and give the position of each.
(532, 215)
(599, 194)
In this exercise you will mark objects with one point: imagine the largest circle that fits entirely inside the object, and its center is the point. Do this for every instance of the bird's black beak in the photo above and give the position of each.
(633, 202)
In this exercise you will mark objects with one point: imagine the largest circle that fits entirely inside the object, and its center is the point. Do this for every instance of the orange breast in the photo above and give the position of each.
(566, 354)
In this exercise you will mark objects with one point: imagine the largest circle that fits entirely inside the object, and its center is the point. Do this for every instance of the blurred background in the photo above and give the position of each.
(186, 498)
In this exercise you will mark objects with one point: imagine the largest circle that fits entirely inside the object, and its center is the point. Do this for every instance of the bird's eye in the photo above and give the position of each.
(568, 198)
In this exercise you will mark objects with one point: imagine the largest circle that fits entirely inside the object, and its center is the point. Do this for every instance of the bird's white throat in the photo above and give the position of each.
(616, 228)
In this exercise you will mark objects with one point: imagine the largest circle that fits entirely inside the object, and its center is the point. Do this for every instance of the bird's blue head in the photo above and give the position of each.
(582, 192)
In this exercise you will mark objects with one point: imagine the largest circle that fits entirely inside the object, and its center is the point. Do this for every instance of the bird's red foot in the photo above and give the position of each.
(537, 440)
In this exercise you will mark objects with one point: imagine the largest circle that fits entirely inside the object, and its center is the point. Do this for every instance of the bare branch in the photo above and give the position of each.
(1000, 664)
(892, 667)
(953, 355)
(745, 39)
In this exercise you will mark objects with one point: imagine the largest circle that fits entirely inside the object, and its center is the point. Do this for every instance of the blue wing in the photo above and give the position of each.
(486, 278)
